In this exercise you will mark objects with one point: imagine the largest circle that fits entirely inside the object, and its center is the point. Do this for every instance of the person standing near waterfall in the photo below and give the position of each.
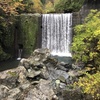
(20, 49)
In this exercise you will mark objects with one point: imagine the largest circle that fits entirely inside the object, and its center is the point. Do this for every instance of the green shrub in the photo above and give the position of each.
(49, 7)
(86, 41)
(90, 85)
(68, 5)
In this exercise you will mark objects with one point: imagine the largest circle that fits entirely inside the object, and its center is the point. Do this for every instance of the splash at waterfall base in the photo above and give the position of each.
(40, 77)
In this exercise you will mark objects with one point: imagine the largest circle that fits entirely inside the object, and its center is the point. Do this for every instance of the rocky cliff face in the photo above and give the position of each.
(28, 28)
(78, 17)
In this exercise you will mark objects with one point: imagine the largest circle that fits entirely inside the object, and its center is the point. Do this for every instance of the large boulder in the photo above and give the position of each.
(13, 77)
(42, 92)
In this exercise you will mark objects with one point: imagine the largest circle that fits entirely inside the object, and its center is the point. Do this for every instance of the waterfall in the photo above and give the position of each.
(57, 33)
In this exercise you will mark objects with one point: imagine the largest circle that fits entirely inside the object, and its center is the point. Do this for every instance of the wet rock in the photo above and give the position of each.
(13, 93)
(22, 78)
(3, 91)
(44, 73)
(62, 79)
(24, 86)
(72, 73)
(40, 54)
(42, 92)
(11, 80)
(40, 77)
(75, 73)
(64, 64)
(63, 86)
(12, 77)
(25, 62)
(32, 73)
(51, 60)
(59, 66)
(62, 75)
(55, 97)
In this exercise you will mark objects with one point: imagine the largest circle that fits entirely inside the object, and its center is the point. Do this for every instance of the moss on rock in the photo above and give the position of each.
(27, 32)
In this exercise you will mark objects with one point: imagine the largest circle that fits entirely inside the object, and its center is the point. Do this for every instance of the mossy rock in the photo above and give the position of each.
(28, 25)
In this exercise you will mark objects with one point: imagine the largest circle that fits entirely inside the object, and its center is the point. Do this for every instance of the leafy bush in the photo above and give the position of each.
(33, 6)
(68, 5)
(90, 85)
(86, 41)
(38, 7)
(11, 7)
(49, 7)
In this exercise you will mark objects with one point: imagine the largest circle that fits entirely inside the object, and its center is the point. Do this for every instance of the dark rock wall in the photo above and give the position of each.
(78, 17)
(6, 40)
(39, 34)
(27, 33)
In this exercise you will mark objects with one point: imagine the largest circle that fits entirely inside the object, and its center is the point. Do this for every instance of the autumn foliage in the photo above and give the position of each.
(10, 6)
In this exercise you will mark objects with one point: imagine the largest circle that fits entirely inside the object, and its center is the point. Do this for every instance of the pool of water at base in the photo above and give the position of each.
(13, 63)
(9, 64)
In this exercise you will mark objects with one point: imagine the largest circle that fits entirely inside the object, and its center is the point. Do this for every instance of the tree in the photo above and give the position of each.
(49, 7)
(8, 8)
(86, 41)
(11, 6)
(68, 5)
(38, 7)
(33, 6)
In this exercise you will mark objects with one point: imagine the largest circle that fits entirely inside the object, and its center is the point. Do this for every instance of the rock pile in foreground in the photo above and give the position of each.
(40, 77)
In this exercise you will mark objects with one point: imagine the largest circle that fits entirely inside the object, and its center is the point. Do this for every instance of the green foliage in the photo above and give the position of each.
(38, 6)
(90, 85)
(3, 55)
(49, 7)
(86, 42)
(60, 5)
(8, 8)
(68, 5)
(43, 1)
(6, 34)
(33, 6)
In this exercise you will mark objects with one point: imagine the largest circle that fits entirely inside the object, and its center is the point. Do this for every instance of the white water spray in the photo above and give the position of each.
(57, 33)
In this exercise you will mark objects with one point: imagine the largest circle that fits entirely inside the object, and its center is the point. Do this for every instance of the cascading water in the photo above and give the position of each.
(57, 33)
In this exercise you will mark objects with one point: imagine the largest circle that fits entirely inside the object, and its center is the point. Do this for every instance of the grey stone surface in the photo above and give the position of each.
(38, 77)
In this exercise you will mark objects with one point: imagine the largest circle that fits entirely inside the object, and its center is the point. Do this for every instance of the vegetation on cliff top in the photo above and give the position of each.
(68, 5)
